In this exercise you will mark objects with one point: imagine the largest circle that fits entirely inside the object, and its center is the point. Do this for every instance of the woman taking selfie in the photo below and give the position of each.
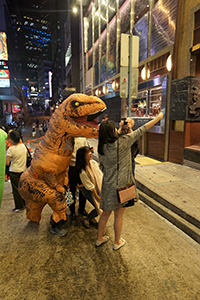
(115, 150)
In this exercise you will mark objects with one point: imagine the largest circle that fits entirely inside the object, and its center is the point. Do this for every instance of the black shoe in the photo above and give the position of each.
(52, 222)
(58, 231)
(72, 217)
(86, 223)
(94, 223)
(83, 213)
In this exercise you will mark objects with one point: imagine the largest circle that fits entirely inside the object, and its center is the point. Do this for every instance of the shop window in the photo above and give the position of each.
(148, 103)
(197, 71)
(155, 98)
(197, 28)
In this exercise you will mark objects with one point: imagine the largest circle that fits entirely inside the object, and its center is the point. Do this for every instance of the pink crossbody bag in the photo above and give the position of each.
(127, 192)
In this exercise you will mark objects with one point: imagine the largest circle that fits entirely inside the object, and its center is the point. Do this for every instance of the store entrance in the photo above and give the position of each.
(197, 70)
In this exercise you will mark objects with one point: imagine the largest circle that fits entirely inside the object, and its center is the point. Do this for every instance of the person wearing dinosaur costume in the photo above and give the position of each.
(43, 182)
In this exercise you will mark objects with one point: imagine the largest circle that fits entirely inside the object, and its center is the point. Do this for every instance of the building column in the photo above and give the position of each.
(118, 32)
(151, 5)
(100, 45)
(76, 52)
(93, 48)
(107, 36)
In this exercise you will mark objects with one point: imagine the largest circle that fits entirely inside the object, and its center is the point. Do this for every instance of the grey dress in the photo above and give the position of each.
(108, 164)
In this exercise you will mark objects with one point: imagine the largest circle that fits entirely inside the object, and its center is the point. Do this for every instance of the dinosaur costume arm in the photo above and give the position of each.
(51, 180)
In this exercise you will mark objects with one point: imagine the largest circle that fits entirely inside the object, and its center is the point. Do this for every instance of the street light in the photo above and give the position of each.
(75, 10)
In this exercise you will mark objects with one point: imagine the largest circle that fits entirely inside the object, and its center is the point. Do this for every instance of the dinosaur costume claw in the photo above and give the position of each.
(43, 182)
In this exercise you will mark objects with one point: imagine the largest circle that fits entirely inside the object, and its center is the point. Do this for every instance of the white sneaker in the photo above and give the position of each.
(116, 247)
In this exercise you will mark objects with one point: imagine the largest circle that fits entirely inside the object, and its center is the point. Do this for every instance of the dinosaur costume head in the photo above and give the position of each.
(82, 110)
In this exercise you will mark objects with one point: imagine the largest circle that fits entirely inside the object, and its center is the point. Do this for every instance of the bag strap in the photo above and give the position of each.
(117, 160)
(29, 154)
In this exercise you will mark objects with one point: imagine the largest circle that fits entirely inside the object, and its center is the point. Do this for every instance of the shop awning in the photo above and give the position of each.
(10, 99)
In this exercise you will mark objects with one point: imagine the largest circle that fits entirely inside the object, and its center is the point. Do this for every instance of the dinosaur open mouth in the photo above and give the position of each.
(83, 121)
(89, 120)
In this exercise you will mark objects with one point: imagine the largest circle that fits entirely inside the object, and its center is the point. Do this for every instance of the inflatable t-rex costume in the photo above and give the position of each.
(43, 182)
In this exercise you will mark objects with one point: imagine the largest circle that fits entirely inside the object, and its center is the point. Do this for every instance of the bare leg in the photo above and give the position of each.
(118, 224)
(102, 224)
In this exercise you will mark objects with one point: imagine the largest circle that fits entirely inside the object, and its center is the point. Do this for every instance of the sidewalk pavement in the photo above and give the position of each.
(175, 187)
(157, 262)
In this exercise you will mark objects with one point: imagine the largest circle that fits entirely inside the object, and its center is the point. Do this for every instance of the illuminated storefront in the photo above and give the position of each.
(8, 102)
(155, 24)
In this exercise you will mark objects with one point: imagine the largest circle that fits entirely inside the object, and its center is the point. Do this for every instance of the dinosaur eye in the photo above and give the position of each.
(76, 104)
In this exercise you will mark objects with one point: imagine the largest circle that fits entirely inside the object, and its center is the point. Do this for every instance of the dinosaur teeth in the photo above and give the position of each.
(89, 120)
(93, 116)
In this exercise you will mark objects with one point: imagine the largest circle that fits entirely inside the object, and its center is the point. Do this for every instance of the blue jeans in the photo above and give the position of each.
(88, 195)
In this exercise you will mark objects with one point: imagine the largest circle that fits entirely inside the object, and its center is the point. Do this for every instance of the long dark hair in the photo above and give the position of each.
(80, 158)
(107, 134)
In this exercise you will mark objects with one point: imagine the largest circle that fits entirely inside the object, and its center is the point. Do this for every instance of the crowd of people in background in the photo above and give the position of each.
(40, 127)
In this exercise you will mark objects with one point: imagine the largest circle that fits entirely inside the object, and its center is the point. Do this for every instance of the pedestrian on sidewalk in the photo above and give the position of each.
(34, 130)
(16, 156)
(91, 178)
(40, 130)
(74, 179)
(44, 126)
(37, 122)
(107, 149)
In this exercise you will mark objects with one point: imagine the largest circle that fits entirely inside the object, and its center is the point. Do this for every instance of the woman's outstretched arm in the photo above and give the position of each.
(154, 121)
(135, 135)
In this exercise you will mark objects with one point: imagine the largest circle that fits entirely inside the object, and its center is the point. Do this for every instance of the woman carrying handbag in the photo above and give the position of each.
(115, 162)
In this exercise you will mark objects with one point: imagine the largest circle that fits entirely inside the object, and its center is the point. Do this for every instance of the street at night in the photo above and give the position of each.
(100, 150)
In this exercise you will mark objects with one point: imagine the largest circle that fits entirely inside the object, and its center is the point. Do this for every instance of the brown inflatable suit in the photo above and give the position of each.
(43, 182)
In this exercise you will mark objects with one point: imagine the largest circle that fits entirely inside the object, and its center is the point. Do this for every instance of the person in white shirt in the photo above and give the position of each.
(34, 130)
(91, 178)
(16, 156)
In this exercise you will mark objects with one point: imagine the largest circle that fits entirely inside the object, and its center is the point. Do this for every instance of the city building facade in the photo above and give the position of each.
(10, 102)
(184, 146)
(32, 40)
(155, 23)
(45, 83)
(168, 70)
(58, 18)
